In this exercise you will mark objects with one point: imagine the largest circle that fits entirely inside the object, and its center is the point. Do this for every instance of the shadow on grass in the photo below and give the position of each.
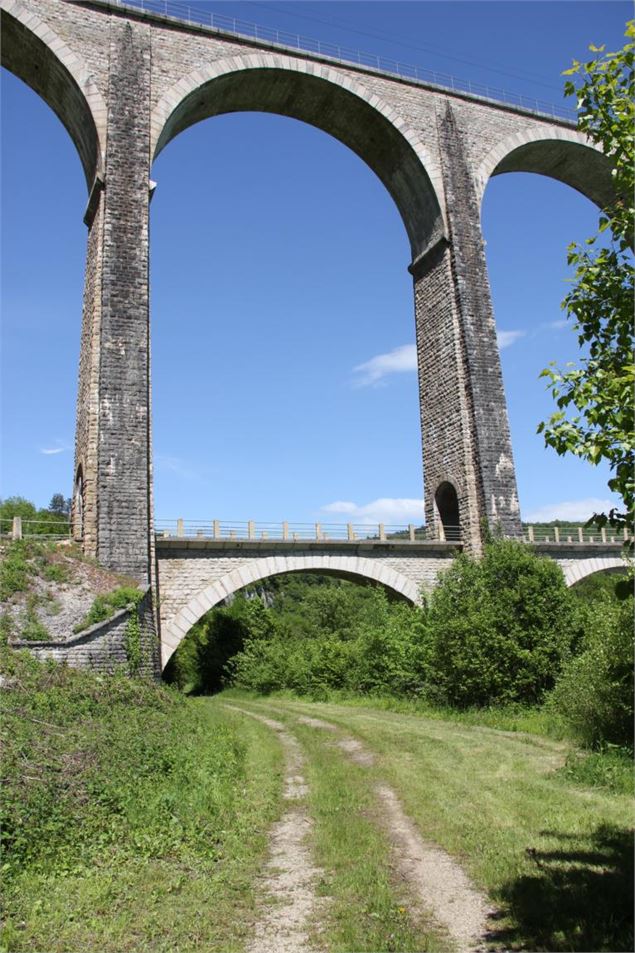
(579, 898)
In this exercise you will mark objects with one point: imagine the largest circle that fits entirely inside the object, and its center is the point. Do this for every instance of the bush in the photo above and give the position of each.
(595, 691)
(500, 628)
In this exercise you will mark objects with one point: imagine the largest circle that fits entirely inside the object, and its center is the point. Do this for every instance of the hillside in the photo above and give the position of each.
(47, 588)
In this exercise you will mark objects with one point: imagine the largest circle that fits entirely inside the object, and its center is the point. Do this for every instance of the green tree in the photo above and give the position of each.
(60, 505)
(595, 419)
(499, 628)
(16, 506)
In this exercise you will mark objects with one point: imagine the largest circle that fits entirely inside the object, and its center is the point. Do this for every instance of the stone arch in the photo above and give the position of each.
(328, 99)
(351, 567)
(563, 154)
(32, 51)
(77, 505)
(446, 502)
(576, 570)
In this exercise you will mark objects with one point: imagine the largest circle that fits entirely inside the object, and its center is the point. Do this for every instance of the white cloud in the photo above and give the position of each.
(49, 451)
(578, 511)
(402, 360)
(507, 338)
(177, 466)
(385, 510)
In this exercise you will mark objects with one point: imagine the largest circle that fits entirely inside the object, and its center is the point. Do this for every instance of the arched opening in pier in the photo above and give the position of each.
(447, 507)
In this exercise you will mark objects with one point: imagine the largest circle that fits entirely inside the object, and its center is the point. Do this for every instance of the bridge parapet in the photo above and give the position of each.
(250, 530)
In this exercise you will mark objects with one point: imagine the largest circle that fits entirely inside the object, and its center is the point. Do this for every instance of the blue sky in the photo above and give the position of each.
(281, 306)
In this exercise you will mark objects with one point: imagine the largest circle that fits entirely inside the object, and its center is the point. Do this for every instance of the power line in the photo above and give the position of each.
(420, 49)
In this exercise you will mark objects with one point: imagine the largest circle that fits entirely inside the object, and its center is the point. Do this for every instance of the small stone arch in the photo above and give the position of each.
(349, 567)
(560, 153)
(328, 99)
(577, 570)
(32, 51)
(77, 504)
(447, 509)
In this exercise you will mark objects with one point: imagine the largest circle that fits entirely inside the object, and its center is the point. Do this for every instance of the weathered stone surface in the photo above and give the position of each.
(102, 647)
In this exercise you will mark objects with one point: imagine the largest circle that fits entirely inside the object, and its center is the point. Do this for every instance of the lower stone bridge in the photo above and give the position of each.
(199, 567)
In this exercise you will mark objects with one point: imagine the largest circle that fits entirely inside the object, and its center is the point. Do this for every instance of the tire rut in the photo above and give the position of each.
(438, 885)
(289, 903)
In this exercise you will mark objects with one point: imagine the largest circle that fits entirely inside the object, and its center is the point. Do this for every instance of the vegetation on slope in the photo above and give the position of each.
(132, 818)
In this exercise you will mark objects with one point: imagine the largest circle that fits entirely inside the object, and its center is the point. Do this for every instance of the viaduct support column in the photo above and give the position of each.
(112, 499)
(466, 441)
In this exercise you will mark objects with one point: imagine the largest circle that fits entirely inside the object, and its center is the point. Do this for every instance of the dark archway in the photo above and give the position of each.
(447, 506)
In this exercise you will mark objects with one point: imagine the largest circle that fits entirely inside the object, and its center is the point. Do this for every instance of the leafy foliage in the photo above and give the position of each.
(121, 799)
(595, 416)
(595, 692)
(500, 627)
(52, 521)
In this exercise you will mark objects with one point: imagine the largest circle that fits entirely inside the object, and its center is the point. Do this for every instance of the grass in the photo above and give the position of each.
(552, 851)
(104, 606)
(133, 820)
(367, 909)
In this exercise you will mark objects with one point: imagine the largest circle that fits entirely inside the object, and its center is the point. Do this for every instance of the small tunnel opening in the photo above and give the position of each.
(447, 505)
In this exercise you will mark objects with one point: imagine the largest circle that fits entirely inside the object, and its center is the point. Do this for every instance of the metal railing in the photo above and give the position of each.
(446, 82)
(300, 532)
(17, 528)
(573, 534)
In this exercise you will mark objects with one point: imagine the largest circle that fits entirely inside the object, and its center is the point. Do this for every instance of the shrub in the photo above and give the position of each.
(595, 691)
(500, 627)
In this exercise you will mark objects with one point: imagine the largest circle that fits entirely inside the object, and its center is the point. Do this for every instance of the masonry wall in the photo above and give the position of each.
(183, 574)
(102, 647)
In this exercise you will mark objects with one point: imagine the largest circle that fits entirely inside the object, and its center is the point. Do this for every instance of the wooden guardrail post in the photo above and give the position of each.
(16, 531)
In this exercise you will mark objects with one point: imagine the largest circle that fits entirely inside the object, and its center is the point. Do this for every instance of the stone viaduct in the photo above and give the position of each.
(125, 82)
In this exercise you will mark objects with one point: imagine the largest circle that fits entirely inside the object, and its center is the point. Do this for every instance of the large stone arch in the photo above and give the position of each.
(32, 51)
(577, 569)
(563, 154)
(328, 99)
(349, 567)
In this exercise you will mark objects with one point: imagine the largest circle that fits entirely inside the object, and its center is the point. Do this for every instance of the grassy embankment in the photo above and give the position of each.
(132, 819)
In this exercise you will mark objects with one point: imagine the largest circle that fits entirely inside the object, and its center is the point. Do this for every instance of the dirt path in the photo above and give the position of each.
(438, 885)
(289, 901)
